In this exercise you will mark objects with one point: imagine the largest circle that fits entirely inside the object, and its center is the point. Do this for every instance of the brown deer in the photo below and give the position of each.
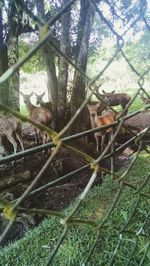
(115, 99)
(11, 128)
(106, 118)
(39, 100)
(38, 114)
(144, 99)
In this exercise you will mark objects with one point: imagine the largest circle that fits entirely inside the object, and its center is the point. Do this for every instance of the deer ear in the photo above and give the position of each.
(35, 94)
(31, 94)
(112, 92)
(43, 94)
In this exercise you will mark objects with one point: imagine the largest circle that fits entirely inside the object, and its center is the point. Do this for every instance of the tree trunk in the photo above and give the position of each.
(13, 55)
(14, 80)
(81, 25)
(78, 93)
(48, 56)
(3, 63)
(63, 67)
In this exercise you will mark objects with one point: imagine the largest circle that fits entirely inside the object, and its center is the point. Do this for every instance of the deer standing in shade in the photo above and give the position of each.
(106, 118)
(38, 114)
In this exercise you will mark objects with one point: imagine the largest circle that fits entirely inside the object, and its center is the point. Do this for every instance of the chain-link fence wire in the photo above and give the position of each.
(12, 209)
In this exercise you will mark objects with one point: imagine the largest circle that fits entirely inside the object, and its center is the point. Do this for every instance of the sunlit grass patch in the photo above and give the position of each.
(23, 110)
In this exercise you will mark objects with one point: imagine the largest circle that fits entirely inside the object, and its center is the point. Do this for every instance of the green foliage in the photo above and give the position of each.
(138, 52)
(37, 245)
(35, 63)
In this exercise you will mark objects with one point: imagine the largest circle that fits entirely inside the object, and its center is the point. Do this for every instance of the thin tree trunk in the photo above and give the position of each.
(13, 55)
(81, 25)
(63, 66)
(48, 55)
(78, 93)
(3, 63)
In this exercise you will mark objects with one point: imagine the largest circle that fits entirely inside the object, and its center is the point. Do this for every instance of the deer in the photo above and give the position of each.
(39, 100)
(11, 128)
(144, 99)
(115, 99)
(38, 114)
(105, 118)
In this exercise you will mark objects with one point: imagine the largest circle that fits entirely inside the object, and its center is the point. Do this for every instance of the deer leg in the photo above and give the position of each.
(102, 142)
(18, 136)
(123, 106)
(36, 135)
(12, 141)
(97, 143)
(44, 138)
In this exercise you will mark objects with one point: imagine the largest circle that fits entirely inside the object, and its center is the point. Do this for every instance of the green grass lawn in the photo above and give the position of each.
(38, 244)
(136, 105)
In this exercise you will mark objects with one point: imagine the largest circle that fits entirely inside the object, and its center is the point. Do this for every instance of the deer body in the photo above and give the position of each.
(11, 128)
(115, 99)
(39, 100)
(38, 114)
(106, 118)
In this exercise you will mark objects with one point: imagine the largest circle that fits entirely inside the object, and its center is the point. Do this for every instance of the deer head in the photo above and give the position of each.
(26, 97)
(39, 98)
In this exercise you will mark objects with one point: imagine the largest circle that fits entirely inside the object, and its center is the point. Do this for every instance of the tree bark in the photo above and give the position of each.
(48, 55)
(81, 26)
(78, 92)
(3, 63)
(14, 20)
(63, 67)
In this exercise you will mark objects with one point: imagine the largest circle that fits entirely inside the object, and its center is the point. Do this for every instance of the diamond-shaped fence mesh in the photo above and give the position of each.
(124, 234)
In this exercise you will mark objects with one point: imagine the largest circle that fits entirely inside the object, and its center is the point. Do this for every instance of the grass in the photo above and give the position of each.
(23, 110)
(37, 245)
(136, 105)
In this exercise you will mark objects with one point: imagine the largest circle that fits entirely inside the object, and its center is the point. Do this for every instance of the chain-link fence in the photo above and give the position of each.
(12, 209)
